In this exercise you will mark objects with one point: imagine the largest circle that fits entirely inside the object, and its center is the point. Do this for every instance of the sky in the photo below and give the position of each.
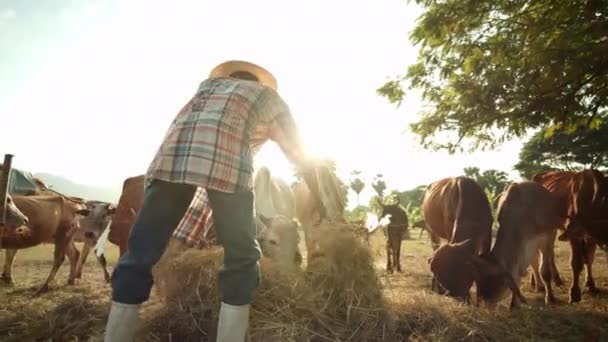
(89, 87)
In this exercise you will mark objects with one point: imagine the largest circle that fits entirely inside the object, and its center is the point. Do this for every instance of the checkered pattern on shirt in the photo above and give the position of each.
(211, 141)
(197, 221)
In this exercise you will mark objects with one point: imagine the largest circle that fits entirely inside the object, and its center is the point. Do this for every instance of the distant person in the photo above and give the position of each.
(210, 144)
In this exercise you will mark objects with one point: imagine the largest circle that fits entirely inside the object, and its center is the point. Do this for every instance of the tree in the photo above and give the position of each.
(356, 184)
(490, 70)
(379, 185)
(587, 149)
(411, 197)
(492, 180)
(412, 201)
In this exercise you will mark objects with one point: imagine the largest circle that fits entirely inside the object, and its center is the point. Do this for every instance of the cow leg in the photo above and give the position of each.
(58, 258)
(435, 243)
(73, 257)
(389, 255)
(546, 270)
(589, 254)
(576, 264)
(86, 249)
(535, 277)
(397, 255)
(7, 274)
(104, 265)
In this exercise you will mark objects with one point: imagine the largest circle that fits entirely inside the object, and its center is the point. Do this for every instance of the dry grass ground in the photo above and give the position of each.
(77, 313)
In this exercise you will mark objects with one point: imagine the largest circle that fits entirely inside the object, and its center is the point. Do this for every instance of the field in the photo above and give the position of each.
(77, 313)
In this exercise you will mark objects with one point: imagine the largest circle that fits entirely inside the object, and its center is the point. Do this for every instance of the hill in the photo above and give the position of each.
(67, 187)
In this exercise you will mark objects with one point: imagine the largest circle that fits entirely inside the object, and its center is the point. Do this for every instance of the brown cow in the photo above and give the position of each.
(127, 208)
(396, 229)
(528, 217)
(585, 194)
(456, 209)
(52, 219)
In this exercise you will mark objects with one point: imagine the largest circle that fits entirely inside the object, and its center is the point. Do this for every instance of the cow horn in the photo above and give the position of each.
(4, 182)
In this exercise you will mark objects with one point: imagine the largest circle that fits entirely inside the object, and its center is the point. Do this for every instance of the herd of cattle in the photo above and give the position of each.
(455, 209)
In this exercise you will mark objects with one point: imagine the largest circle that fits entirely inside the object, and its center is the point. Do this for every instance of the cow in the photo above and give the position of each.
(529, 217)
(396, 228)
(277, 233)
(14, 218)
(320, 196)
(128, 206)
(456, 209)
(52, 219)
(585, 195)
(92, 230)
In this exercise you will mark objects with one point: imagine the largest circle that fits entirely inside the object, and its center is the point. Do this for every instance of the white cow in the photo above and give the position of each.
(275, 210)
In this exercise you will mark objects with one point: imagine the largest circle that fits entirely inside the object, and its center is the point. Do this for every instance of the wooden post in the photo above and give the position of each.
(5, 178)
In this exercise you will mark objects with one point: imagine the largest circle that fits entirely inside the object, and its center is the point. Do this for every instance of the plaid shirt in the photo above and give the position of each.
(211, 142)
(197, 221)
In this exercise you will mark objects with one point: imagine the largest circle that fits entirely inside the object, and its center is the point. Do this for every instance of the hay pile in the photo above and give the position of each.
(73, 319)
(337, 297)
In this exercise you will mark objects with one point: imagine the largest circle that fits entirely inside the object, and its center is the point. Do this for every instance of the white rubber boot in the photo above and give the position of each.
(233, 323)
(122, 322)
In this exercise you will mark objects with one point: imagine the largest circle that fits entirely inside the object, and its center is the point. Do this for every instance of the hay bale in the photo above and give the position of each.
(338, 297)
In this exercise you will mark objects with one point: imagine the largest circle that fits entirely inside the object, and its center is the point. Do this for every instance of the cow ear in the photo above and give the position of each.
(83, 212)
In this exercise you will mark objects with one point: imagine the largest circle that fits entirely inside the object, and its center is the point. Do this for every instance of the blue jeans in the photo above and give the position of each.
(163, 207)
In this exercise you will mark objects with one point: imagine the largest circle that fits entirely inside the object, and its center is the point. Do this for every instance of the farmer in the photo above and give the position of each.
(209, 145)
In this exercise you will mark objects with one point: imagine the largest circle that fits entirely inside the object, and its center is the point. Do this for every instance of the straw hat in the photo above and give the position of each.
(227, 68)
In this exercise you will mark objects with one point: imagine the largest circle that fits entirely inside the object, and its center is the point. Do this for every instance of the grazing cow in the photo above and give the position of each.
(396, 229)
(275, 208)
(278, 238)
(456, 209)
(585, 195)
(528, 217)
(52, 219)
(14, 217)
(320, 196)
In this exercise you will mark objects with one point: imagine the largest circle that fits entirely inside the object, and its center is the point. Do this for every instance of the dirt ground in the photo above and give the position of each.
(424, 315)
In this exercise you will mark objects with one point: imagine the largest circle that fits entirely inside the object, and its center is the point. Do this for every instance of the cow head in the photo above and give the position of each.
(396, 214)
(14, 217)
(98, 218)
(278, 238)
(492, 281)
(450, 267)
